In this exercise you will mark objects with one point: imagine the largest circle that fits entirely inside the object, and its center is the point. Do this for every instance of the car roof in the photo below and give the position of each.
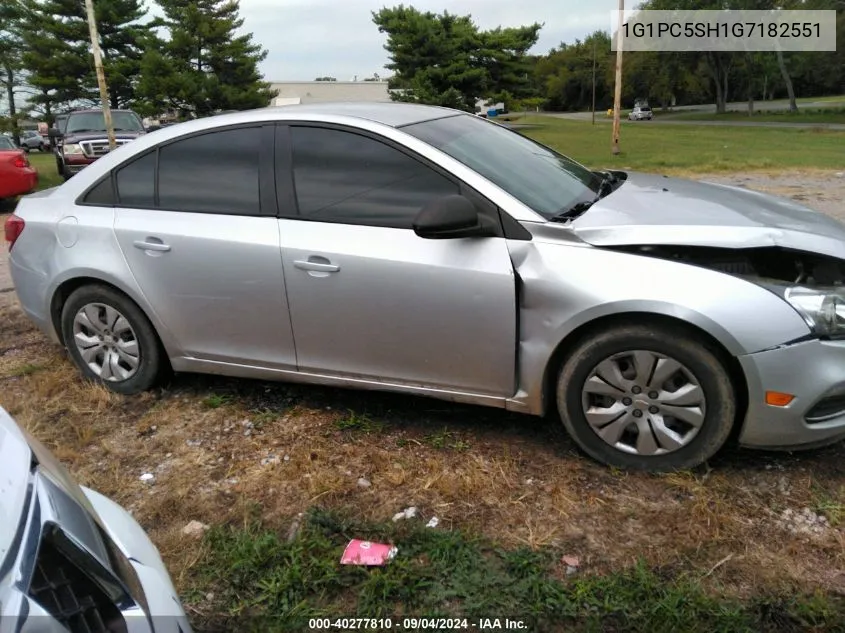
(391, 114)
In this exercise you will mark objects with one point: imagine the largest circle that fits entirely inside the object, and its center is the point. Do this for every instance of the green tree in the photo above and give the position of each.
(11, 69)
(56, 60)
(444, 59)
(57, 54)
(204, 66)
(123, 39)
(566, 73)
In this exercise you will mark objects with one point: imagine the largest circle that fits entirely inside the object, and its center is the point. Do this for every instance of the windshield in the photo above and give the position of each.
(7, 143)
(535, 175)
(96, 122)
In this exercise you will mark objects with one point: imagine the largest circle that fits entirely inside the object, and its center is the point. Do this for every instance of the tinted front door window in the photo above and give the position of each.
(352, 179)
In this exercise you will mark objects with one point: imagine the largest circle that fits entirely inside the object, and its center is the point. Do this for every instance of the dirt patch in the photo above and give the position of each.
(225, 450)
(820, 190)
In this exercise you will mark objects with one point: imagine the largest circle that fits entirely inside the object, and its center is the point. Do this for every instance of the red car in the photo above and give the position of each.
(17, 176)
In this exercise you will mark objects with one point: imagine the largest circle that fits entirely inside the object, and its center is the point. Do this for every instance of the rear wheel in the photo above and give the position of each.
(110, 340)
(637, 398)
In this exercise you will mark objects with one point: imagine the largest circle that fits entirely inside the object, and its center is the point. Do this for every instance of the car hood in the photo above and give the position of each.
(15, 463)
(652, 209)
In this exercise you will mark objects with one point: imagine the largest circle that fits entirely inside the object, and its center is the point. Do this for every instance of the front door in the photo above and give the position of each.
(205, 250)
(369, 298)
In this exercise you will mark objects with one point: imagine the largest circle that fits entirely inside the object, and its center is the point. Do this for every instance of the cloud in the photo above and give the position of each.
(312, 38)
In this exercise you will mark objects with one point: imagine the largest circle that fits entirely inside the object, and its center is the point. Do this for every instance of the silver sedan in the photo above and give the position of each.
(427, 251)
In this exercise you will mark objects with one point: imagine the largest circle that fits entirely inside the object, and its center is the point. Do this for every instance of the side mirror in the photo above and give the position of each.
(54, 133)
(449, 217)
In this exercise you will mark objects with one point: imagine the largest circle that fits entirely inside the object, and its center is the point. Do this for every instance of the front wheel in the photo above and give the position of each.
(635, 398)
(110, 340)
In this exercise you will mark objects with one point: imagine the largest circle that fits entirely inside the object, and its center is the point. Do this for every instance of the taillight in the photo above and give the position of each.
(21, 161)
(13, 229)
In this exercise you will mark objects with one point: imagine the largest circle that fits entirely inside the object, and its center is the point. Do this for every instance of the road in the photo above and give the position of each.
(601, 117)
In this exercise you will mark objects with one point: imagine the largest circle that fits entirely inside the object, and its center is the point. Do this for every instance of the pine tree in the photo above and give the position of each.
(11, 71)
(444, 59)
(123, 39)
(205, 66)
(58, 51)
(57, 63)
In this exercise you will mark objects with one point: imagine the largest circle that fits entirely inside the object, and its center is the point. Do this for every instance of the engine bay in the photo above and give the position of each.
(770, 262)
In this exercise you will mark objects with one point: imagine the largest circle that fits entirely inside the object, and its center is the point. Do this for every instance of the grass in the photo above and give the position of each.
(27, 369)
(261, 581)
(45, 163)
(216, 400)
(446, 439)
(691, 149)
(357, 422)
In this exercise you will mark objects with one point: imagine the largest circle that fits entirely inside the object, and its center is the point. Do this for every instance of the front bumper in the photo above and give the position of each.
(75, 163)
(814, 372)
(165, 609)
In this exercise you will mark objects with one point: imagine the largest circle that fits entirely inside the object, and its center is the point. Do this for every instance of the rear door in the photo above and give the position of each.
(196, 223)
(370, 299)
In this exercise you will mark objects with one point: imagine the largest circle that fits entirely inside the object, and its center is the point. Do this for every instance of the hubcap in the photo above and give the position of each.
(106, 342)
(643, 403)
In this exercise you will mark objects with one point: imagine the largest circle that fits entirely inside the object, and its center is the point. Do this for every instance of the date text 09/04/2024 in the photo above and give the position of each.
(416, 624)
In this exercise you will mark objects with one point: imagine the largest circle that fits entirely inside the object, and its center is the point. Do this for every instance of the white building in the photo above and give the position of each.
(296, 92)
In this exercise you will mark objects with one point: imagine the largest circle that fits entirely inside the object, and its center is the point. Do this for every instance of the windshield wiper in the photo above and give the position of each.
(608, 180)
(574, 211)
(84, 129)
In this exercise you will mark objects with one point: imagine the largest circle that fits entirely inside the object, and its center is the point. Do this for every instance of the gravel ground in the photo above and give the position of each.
(823, 190)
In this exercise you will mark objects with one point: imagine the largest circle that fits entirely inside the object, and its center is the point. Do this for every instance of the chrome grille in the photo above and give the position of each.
(70, 596)
(99, 147)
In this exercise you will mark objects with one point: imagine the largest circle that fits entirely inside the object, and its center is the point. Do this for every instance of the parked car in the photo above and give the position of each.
(423, 250)
(70, 558)
(83, 139)
(17, 176)
(641, 113)
(32, 140)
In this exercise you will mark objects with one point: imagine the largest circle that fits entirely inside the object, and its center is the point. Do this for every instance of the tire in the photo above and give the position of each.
(89, 322)
(655, 441)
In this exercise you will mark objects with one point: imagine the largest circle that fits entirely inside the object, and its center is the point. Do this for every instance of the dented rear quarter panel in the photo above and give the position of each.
(566, 284)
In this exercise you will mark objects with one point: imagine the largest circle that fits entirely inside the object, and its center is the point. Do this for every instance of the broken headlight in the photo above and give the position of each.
(822, 307)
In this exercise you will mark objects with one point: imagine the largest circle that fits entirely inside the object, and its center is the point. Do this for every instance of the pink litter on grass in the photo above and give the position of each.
(360, 552)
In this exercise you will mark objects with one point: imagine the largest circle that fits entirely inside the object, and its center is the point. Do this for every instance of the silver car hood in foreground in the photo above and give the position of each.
(15, 464)
(651, 209)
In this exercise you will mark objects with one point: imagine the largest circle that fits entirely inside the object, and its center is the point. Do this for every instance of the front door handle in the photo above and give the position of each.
(316, 266)
(152, 244)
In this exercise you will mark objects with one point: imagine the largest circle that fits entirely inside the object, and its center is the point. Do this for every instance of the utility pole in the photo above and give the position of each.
(594, 79)
(101, 75)
(617, 96)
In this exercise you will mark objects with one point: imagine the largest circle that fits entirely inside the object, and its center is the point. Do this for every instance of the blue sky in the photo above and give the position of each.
(312, 38)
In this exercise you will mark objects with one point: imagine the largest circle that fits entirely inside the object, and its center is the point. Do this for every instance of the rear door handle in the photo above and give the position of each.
(152, 244)
(316, 266)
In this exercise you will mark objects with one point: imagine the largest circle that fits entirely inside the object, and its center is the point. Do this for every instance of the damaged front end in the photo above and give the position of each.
(812, 283)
